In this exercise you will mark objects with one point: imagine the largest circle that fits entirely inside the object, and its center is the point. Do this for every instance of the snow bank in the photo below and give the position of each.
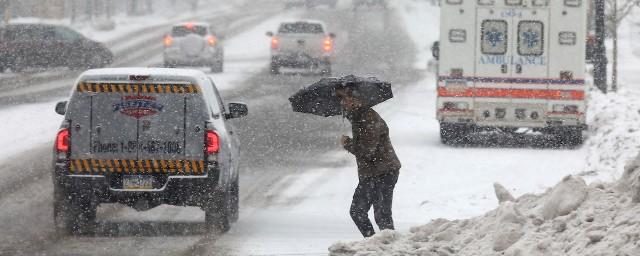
(614, 134)
(569, 219)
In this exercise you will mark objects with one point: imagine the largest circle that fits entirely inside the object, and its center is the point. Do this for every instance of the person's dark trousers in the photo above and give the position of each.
(377, 192)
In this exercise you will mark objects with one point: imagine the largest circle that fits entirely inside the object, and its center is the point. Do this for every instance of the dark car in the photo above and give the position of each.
(43, 45)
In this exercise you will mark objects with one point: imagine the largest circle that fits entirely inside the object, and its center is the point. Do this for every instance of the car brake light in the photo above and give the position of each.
(328, 45)
(212, 40)
(168, 41)
(212, 143)
(189, 26)
(62, 141)
(274, 43)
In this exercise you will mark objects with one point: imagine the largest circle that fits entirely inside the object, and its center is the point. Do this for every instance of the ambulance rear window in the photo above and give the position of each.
(530, 38)
(494, 37)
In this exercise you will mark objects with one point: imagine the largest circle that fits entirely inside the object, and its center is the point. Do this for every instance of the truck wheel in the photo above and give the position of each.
(453, 134)
(73, 214)
(217, 67)
(216, 214)
(234, 202)
(569, 137)
(275, 68)
(326, 69)
(62, 218)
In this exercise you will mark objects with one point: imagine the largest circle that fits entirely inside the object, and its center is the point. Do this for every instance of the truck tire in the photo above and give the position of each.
(72, 213)
(326, 69)
(275, 68)
(217, 67)
(216, 213)
(234, 202)
(453, 134)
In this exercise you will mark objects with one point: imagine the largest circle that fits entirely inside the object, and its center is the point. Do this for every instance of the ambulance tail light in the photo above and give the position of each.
(327, 45)
(168, 41)
(212, 142)
(212, 40)
(275, 43)
(63, 141)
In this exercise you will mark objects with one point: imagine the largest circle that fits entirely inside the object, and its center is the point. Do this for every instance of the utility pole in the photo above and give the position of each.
(600, 57)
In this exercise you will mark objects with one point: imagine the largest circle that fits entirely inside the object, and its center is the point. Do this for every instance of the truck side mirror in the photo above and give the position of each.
(61, 107)
(435, 50)
(236, 110)
(269, 34)
(332, 35)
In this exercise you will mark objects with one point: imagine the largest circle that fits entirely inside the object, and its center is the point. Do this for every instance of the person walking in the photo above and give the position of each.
(378, 165)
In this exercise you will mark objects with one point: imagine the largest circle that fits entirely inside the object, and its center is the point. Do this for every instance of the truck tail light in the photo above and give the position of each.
(212, 40)
(327, 45)
(275, 43)
(212, 142)
(168, 41)
(63, 141)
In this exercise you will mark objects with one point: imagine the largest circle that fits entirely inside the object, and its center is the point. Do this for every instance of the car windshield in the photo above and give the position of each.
(305, 28)
(185, 30)
(27, 33)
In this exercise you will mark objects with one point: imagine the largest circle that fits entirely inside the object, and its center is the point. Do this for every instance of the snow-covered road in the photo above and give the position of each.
(296, 183)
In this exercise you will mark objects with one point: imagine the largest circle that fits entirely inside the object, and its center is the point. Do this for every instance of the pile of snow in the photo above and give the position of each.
(570, 218)
(614, 134)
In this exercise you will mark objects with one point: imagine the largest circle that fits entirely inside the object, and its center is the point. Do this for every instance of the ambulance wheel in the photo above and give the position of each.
(216, 214)
(453, 134)
(73, 214)
(570, 137)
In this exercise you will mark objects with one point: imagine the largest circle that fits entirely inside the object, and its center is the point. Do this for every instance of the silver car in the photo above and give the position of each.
(193, 44)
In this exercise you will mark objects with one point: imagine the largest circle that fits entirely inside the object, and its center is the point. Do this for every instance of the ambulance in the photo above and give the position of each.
(511, 64)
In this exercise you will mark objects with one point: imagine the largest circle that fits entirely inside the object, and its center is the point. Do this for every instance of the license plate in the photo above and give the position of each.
(137, 182)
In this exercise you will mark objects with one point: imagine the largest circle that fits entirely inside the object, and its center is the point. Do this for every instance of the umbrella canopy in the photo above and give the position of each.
(320, 97)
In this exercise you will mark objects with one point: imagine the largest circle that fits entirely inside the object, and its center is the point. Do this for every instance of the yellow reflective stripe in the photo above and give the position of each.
(187, 167)
(72, 166)
(94, 166)
(196, 167)
(85, 164)
(109, 166)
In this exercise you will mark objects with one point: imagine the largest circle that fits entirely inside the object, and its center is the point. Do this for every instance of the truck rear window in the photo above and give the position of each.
(305, 28)
(185, 30)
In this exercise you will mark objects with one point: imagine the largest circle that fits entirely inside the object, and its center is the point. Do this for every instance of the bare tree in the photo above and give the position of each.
(616, 12)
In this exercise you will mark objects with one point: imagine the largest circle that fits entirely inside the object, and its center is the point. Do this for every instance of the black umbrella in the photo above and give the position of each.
(320, 98)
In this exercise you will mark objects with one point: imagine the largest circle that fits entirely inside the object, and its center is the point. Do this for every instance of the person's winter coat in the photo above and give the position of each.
(371, 144)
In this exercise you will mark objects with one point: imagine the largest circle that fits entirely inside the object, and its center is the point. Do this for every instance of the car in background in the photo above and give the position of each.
(313, 3)
(309, 3)
(144, 137)
(193, 44)
(302, 44)
(368, 3)
(36, 45)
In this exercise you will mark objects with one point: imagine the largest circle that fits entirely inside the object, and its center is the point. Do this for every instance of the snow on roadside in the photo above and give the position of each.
(27, 126)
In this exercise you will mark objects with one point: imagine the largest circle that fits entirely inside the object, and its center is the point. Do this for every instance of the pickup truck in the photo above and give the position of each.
(302, 44)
